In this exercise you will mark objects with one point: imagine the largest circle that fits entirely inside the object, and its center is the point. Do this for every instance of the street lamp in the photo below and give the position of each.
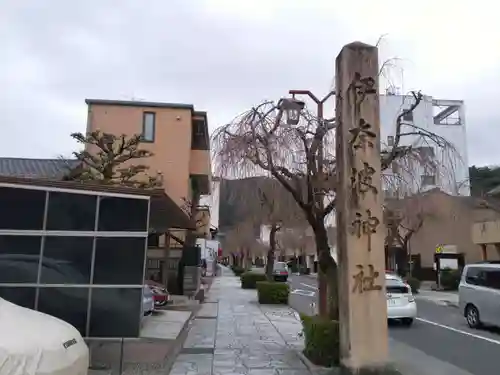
(292, 108)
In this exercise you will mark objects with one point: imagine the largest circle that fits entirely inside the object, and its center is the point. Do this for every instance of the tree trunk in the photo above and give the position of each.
(271, 251)
(328, 275)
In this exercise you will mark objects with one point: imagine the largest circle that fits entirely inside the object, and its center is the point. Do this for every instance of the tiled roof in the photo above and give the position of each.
(36, 168)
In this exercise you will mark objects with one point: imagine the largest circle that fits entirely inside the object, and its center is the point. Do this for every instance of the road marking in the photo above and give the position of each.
(492, 341)
(302, 292)
(309, 286)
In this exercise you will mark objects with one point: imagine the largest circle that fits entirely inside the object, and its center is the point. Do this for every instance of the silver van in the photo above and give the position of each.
(479, 294)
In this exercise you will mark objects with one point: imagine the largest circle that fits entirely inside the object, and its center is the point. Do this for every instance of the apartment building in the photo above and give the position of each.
(177, 135)
(445, 168)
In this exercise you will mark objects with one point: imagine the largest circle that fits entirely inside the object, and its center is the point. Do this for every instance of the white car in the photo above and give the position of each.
(400, 300)
(33, 343)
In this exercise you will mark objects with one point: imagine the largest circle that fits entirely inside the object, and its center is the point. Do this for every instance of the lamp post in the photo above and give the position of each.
(292, 108)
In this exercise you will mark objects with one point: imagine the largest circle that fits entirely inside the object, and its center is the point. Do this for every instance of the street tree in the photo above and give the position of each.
(263, 202)
(111, 159)
(298, 238)
(240, 241)
(295, 147)
(403, 219)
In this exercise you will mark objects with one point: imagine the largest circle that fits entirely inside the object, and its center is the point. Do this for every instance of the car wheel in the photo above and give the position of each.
(407, 322)
(472, 316)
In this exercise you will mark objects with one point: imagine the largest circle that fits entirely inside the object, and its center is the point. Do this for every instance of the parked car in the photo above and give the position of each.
(36, 343)
(479, 294)
(148, 303)
(400, 300)
(160, 293)
(280, 271)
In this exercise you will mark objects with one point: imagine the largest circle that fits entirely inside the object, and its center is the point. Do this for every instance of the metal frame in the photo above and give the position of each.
(74, 191)
(94, 234)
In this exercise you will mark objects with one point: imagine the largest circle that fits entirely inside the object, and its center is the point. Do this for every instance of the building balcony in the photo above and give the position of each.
(487, 232)
(200, 169)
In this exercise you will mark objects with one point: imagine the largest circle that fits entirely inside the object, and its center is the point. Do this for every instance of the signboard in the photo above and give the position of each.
(446, 249)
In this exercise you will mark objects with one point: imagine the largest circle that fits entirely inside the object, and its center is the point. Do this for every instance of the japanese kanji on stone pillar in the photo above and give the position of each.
(362, 304)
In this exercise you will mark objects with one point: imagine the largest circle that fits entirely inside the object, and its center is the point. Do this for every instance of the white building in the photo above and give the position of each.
(446, 118)
(212, 201)
(449, 170)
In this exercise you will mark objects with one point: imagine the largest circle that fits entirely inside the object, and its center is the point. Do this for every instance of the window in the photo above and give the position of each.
(115, 312)
(428, 180)
(123, 214)
(408, 117)
(22, 208)
(22, 296)
(69, 211)
(474, 276)
(426, 152)
(198, 141)
(66, 260)
(19, 259)
(68, 304)
(198, 127)
(492, 278)
(119, 261)
(148, 126)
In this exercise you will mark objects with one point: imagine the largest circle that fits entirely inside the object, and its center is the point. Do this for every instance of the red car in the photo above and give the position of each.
(160, 293)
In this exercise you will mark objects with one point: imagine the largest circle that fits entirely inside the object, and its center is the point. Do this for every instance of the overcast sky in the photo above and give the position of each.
(226, 55)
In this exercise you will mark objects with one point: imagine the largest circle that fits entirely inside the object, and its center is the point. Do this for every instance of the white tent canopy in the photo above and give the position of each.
(33, 343)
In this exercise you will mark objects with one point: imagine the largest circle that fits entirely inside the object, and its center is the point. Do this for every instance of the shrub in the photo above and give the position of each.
(321, 338)
(249, 279)
(238, 270)
(414, 284)
(272, 293)
(450, 279)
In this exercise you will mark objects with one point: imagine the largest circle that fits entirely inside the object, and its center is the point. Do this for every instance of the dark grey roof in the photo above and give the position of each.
(36, 168)
(139, 103)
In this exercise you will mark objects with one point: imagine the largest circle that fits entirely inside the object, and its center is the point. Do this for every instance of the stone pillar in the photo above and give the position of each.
(361, 255)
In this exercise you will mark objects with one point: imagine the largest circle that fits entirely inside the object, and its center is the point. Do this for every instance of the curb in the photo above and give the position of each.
(179, 343)
(317, 370)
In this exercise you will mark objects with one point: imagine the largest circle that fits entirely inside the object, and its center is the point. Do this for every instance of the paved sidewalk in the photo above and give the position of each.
(233, 334)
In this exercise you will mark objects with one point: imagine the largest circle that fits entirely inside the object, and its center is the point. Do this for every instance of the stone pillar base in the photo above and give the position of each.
(379, 370)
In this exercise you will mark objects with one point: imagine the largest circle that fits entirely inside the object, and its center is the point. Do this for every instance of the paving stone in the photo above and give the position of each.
(249, 339)
(201, 334)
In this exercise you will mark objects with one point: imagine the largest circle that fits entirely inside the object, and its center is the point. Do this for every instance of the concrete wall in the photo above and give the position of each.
(173, 156)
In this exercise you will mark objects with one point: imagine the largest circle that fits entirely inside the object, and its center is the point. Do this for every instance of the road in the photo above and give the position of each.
(440, 331)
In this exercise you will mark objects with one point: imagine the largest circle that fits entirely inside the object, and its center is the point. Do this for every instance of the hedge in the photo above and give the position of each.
(249, 279)
(449, 279)
(272, 293)
(321, 338)
(238, 270)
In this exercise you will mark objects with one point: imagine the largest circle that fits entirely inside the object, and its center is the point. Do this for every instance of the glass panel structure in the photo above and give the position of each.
(77, 255)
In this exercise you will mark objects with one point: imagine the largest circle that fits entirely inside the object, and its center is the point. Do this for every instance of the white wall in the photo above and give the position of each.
(453, 173)
(212, 201)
